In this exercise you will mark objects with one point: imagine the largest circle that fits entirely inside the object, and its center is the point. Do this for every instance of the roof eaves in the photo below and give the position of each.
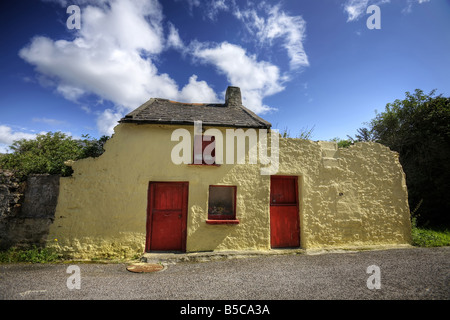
(188, 122)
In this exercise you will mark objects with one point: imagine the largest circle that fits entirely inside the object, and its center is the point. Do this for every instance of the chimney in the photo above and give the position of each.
(233, 97)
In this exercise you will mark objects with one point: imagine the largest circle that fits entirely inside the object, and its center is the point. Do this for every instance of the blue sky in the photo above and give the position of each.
(300, 64)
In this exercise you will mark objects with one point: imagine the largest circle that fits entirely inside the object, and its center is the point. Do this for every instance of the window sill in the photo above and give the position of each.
(208, 221)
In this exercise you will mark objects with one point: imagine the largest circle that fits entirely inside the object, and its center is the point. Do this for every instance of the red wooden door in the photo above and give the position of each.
(284, 217)
(166, 216)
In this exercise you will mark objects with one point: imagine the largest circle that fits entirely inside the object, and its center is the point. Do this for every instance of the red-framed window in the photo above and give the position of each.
(222, 204)
(204, 150)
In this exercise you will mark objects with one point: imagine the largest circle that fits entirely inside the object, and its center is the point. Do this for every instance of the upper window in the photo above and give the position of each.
(204, 150)
(222, 203)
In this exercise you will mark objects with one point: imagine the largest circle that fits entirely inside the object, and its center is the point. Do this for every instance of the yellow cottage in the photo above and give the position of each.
(215, 177)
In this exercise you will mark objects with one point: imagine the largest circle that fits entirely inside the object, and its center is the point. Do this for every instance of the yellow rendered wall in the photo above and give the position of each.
(362, 201)
(102, 208)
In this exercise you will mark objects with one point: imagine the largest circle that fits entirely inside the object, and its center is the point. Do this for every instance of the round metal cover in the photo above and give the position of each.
(145, 267)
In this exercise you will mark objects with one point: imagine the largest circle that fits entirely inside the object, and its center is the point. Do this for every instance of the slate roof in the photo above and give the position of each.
(163, 111)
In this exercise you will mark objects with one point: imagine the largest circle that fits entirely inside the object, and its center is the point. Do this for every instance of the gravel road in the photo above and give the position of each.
(415, 273)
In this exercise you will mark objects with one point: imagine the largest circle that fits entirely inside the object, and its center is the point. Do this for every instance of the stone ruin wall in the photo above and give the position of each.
(27, 209)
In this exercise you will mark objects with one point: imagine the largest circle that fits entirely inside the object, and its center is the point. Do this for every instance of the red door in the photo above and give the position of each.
(166, 216)
(284, 217)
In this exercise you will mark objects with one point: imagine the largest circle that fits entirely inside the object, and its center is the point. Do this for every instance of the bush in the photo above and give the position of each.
(48, 152)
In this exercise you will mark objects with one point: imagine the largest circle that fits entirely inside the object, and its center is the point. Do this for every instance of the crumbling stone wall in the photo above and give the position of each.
(11, 191)
(27, 209)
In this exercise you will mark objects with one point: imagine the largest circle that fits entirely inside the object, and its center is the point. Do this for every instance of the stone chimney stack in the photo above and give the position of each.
(233, 97)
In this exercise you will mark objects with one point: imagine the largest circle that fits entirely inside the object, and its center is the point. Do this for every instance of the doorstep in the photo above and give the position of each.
(177, 257)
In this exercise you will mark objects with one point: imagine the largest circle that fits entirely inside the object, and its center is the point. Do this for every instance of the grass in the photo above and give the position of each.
(428, 237)
(30, 255)
(36, 254)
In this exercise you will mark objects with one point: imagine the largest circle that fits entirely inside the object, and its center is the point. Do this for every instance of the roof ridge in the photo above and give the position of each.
(195, 103)
(159, 110)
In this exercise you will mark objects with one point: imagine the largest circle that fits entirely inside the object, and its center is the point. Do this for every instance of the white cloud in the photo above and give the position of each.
(107, 120)
(102, 68)
(131, 25)
(355, 9)
(257, 79)
(210, 8)
(174, 40)
(8, 136)
(215, 6)
(111, 57)
(198, 91)
(86, 109)
(70, 92)
(266, 23)
(278, 24)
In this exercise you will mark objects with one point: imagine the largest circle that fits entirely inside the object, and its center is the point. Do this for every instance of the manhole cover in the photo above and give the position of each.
(145, 267)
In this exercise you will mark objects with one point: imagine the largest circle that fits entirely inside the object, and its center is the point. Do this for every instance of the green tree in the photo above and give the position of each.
(92, 147)
(363, 135)
(47, 153)
(418, 128)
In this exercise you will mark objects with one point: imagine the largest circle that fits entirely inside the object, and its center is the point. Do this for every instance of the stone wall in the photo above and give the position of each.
(11, 191)
(27, 209)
